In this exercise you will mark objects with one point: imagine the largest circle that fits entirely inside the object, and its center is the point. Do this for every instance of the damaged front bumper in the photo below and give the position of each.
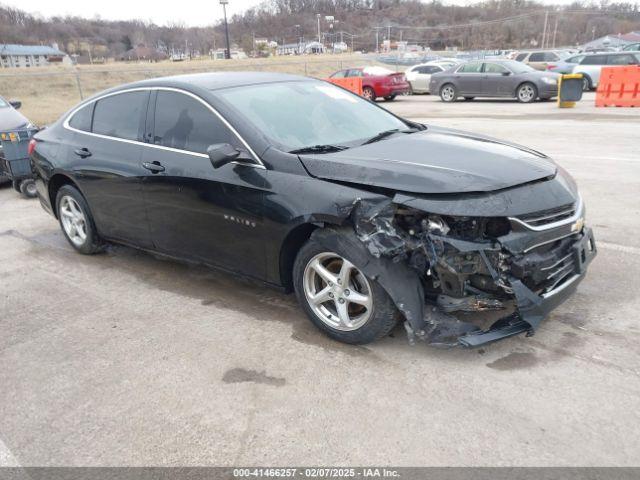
(439, 275)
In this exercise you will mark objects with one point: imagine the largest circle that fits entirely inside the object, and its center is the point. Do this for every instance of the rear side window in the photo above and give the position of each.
(595, 60)
(494, 68)
(354, 73)
(428, 69)
(470, 68)
(184, 123)
(121, 115)
(81, 120)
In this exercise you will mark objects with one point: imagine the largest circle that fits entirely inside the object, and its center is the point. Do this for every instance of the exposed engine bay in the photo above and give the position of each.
(466, 265)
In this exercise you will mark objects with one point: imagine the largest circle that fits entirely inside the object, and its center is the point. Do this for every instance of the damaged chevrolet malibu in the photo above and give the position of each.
(370, 218)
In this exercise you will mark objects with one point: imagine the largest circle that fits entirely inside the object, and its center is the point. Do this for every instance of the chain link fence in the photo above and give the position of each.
(47, 92)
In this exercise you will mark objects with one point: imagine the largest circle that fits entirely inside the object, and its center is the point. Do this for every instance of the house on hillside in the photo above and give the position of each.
(143, 54)
(12, 55)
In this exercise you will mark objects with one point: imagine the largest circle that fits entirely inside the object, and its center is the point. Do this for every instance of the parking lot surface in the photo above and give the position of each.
(127, 359)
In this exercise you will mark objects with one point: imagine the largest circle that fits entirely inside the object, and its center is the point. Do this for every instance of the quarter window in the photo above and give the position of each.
(184, 123)
(120, 115)
(521, 57)
(81, 120)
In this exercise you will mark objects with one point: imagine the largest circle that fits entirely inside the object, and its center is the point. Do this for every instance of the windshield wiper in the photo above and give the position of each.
(320, 149)
(388, 133)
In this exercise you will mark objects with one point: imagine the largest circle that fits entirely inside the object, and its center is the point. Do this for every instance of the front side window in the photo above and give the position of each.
(316, 113)
(184, 123)
(473, 67)
(537, 57)
(120, 115)
(340, 74)
(81, 120)
(354, 73)
(621, 60)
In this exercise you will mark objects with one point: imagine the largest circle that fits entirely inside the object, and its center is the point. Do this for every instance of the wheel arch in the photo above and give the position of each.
(289, 249)
(56, 182)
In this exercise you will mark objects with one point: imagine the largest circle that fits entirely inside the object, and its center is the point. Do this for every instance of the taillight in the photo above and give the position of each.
(32, 146)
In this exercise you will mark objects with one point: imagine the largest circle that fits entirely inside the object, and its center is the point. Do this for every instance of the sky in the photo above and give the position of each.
(189, 12)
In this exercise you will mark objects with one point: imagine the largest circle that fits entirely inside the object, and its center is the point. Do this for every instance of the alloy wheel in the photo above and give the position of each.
(73, 220)
(526, 93)
(448, 93)
(337, 292)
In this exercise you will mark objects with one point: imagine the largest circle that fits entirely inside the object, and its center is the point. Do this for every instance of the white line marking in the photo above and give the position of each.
(618, 248)
(6, 457)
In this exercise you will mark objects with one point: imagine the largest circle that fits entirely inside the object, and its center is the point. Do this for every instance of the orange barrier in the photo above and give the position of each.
(619, 87)
(353, 84)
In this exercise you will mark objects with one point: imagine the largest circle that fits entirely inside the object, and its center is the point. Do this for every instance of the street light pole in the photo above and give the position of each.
(224, 3)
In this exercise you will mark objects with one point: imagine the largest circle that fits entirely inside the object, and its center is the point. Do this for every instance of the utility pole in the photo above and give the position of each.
(224, 3)
(555, 32)
(377, 41)
(544, 30)
(318, 17)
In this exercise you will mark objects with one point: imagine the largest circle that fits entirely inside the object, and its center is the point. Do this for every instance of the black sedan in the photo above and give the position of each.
(494, 78)
(295, 182)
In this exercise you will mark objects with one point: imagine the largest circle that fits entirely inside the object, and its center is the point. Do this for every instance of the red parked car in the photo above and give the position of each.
(377, 82)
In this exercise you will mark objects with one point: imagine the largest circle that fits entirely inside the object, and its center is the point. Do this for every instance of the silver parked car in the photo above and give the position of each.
(419, 76)
(494, 78)
(591, 65)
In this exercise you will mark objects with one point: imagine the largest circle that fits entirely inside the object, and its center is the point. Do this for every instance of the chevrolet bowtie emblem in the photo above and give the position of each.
(577, 227)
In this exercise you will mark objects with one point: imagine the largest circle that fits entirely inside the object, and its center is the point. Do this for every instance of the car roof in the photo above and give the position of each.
(215, 80)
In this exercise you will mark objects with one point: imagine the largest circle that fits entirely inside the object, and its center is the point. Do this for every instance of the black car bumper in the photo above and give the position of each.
(532, 308)
(547, 91)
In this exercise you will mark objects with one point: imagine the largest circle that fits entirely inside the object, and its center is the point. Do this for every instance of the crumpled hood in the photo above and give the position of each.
(434, 161)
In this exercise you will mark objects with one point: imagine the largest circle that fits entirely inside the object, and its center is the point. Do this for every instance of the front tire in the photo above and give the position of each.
(527, 93)
(448, 93)
(338, 298)
(76, 221)
(390, 98)
(586, 83)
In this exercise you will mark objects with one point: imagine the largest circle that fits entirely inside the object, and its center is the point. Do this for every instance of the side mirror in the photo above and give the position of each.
(222, 153)
(15, 104)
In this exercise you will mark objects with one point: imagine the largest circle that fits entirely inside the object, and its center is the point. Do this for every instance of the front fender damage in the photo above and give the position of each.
(431, 273)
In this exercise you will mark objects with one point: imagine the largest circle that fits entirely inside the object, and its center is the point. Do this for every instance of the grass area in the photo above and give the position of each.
(47, 92)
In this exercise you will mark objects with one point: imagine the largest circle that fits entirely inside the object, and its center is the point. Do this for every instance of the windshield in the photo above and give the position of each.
(302, 114)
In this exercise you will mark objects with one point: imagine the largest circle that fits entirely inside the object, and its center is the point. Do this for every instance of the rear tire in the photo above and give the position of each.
(586, 83)
(527, 93)
(365, 323)
(368, 93)
(448, 93)
(28, 188)
(76, 221)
